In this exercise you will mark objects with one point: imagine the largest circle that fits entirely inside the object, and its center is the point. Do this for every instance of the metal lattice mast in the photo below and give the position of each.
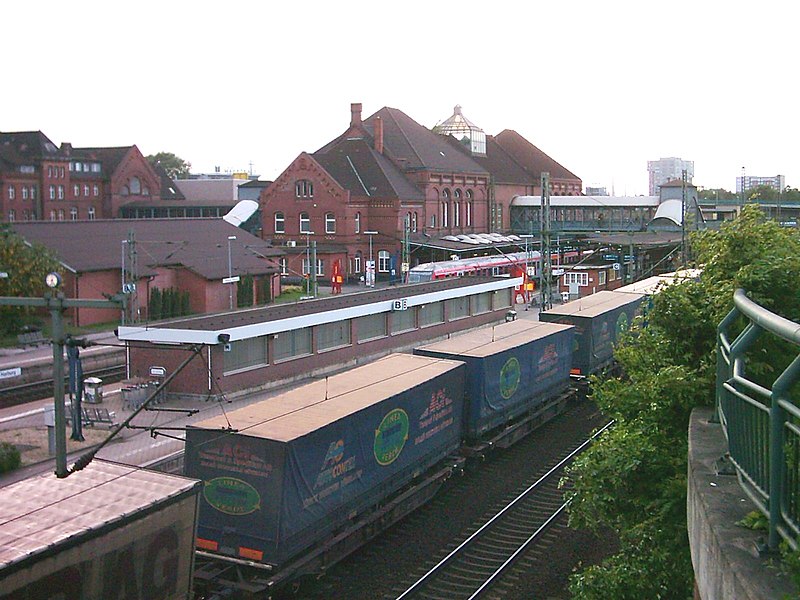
(544, 232)
(130, 275)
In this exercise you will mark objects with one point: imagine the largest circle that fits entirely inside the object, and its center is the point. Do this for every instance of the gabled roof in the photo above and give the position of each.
(357, 167)
(498, 162)
(25, 147)
(110, 157)
(414, 147)
(533, 160)
(409, 145)
(169, 191)
(200, 245)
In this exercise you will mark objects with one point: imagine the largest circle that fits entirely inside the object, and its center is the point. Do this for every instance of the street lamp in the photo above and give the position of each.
(370, 281)
(230, 271)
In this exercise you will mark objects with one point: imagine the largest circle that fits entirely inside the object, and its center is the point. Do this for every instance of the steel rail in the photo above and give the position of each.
(427, 578)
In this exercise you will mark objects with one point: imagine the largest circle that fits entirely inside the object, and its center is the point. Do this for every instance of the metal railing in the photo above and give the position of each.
(762, 425)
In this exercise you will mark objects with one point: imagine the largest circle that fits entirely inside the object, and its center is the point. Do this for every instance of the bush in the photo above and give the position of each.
(10, 458)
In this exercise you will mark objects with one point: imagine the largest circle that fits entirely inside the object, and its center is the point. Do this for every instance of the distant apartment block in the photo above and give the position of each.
(748, 182)
(668, 169)
(596, 190)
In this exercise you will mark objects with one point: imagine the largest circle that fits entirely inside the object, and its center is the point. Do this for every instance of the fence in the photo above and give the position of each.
(761, 424)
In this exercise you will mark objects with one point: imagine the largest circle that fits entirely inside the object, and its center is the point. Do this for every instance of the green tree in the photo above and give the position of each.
(634, 479)
(25, 267)
(716, 194)
(762, 193)
(176, 167)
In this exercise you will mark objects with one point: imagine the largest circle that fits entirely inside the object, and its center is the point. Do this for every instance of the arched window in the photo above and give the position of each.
(304, 189)
(330, 223)
(446, 194)
(358, 224)
(91, 213)
(135, 186)
(280, 223)
(86, 189)
(445, 207)
(456, 213)
(96, 190)
(468, 216)
(73, 213)
(124, 191)
(305, 223)
(457, 194)
(60, 214)
(76, 190)
(383, 261)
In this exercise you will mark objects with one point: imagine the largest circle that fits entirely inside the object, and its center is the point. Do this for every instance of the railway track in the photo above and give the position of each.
(36, 390)
(477, 565)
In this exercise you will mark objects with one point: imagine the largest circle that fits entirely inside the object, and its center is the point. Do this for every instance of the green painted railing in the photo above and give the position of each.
(761, 424)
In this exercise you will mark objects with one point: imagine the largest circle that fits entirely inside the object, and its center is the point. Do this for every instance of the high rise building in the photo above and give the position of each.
(748, 182)
(668, 169)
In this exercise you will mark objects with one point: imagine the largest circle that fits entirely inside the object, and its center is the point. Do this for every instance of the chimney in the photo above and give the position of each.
(378, 135)
(355, 114)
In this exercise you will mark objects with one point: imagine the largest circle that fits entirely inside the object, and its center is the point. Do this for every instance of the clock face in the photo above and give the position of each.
(52, 280)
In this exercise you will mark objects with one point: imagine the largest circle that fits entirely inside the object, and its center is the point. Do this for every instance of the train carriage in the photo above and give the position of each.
(108, 531)
(511, 368)
(598, 320)
(296, 468)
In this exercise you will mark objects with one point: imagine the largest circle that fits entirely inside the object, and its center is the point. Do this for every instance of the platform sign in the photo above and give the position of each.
(233, 279)
(10, 373)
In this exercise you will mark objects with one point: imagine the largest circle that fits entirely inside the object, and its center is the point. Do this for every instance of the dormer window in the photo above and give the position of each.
(304, 189)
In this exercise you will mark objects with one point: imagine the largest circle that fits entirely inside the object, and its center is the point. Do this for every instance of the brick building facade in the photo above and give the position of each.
(42, 182)
(403, 182)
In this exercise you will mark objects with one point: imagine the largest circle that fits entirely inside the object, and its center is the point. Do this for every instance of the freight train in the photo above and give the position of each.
(292, 484)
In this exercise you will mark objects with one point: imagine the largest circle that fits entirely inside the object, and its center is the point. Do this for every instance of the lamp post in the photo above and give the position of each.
(230, 272)
(370, 280)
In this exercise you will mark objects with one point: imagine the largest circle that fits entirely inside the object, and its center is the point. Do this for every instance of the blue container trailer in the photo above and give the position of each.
(598, 320)
(297, 467)
(511, 368)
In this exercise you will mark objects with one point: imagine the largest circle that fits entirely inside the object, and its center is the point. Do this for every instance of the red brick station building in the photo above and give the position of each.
(387, 187)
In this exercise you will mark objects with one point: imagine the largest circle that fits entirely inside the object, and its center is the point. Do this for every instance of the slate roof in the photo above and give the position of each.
(169, 191)
(26, 147)
(498, 162)
(533, 160)
(415, 147)
(200, 245)
(109, 157)
(357, 167)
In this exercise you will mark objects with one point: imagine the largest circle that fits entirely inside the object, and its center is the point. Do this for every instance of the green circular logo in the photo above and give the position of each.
(232, 496)
(509, 377)
(391, 436)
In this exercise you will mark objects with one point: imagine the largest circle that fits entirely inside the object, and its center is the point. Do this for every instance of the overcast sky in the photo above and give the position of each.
(602, 87)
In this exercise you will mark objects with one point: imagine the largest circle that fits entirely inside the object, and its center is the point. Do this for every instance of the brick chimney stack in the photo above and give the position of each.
(378, 135)
(355, 114)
